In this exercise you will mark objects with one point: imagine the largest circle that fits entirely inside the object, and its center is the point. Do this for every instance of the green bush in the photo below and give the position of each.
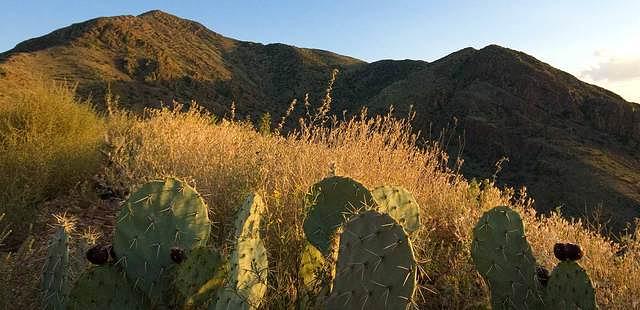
(48, 143)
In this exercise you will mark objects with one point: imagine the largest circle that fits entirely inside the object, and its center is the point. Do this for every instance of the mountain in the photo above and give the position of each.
(157, 56)
(570, 143)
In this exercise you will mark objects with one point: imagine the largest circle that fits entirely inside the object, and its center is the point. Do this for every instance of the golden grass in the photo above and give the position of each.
(226, 160)
(48, 143)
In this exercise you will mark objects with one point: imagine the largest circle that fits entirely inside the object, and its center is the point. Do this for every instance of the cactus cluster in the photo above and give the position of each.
(358, 254)
(373, 265)
(504, 258)
(160, 259)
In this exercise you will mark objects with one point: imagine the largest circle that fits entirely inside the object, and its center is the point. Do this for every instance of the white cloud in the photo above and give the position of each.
(614, 70)
(617, 70)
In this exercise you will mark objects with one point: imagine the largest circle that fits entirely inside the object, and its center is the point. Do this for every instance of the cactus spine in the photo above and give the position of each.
(247, 282)
(198, 277)
(56, 270)
(569, 287)
(316, 273)
(375, 262)
(159, 216)
(329, 204)
(399, 204)
(376, 267)
(503, 257)
(104, 287)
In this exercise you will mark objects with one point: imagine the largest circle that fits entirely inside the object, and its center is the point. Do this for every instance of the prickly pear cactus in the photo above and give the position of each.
(104, 287)
(55, 276)
(399, 204)
(330, 203)
(249, 217)
(503, 257)
(311, 267)
(198, 277)
(376, 266)
(247, 282)
(78, 260)
(249, 266)
(569, 287)
(159, 216)
(316, 273)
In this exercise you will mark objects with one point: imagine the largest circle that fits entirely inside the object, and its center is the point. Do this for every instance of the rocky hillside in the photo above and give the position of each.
(570, 143)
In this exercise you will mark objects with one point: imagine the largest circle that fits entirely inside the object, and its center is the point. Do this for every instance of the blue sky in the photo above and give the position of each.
(598, 41)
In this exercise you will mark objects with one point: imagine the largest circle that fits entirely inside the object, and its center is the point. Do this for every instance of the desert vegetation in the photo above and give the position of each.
(61, 158)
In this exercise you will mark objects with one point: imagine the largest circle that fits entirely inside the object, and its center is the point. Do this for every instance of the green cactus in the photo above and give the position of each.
(399, 204)
(78, 262)
(247, 282)
(569, 287)
(159, 216)
(376, 267)
(104, 287)
(249, 217)
(55, 276)
(198, 277)
(330, 202)
(503, 257)
(311, 267)
(316, 273)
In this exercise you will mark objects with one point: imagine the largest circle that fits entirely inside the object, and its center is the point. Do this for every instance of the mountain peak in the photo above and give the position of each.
(156, 13)
(162, 16)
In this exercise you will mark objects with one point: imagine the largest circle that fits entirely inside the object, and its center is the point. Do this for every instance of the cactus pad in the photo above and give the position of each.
(104, 287)
(159, 216)
(330, 203)
(569, 287)
(55, 276)
(249, 217)
(311, 267)
(198, 277)
(247, 281)
(316, 273)
(399, 204)
(376, 267)
(503, 257)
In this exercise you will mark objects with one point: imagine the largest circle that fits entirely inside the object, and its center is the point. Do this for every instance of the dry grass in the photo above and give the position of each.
(48, 143)
(228, 159)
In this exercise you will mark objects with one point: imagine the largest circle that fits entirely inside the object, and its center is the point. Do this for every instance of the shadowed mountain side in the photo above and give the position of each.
(559, 133)
(570, 143)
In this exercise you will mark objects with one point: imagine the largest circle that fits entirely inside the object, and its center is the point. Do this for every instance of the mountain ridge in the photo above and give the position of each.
(571, 143)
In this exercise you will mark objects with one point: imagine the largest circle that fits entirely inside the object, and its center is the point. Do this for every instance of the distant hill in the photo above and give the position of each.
(570, 143)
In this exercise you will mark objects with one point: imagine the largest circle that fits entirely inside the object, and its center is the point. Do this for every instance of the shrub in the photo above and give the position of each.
(48, 143)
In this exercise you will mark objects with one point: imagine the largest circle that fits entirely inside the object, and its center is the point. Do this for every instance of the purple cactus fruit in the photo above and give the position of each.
(98, 254)
(567, 251)
(177, 255)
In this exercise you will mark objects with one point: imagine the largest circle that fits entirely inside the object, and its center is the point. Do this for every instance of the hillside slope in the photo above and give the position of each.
(570, 143)
(157, 56)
